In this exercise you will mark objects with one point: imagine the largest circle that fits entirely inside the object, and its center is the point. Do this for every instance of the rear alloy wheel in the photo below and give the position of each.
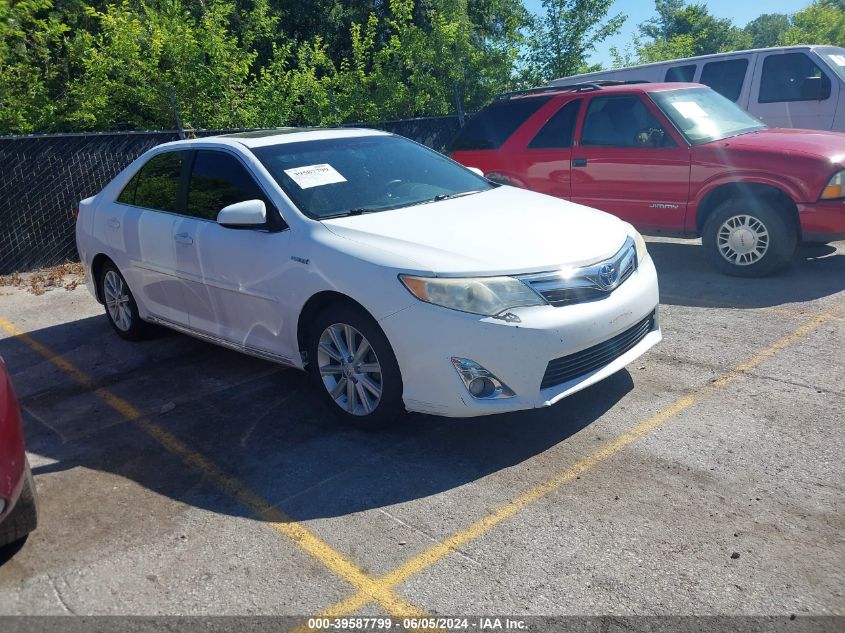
(121, 309)
(749, 238)
(354, 368)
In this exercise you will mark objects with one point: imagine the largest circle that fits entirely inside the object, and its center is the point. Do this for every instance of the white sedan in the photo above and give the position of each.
(398, 278)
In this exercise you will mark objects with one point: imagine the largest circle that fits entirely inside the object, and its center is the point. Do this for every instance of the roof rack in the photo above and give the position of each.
(576, 87)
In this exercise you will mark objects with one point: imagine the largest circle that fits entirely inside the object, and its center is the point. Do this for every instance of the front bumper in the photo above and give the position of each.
(822, 221)
(425, 338)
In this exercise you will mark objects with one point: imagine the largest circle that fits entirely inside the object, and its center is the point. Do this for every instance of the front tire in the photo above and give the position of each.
(121, 309)
(745, 237)
(354, 369)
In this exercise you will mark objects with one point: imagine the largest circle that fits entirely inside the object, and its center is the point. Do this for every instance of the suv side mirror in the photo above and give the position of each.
(813, 89)
(476, 170)
(246, 214)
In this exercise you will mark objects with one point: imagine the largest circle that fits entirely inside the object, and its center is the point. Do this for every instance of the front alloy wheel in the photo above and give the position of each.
(353, 367)
(350, 369)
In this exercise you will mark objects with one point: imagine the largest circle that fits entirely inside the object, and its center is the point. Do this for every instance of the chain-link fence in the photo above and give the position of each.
(43, 178)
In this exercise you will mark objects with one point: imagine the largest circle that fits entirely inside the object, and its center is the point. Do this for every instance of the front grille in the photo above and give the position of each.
(561, 370)
(587, 283)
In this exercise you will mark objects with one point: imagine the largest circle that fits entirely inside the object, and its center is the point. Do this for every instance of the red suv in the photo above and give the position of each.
(670, 158)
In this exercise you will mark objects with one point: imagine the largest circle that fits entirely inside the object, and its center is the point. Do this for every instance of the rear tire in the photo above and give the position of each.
(353, 368)
(23, 518)
(746, 237)
(119, 302)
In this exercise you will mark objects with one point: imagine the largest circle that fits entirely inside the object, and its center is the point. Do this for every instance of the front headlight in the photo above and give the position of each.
(485, 295)
(835, 187)
(639, 242)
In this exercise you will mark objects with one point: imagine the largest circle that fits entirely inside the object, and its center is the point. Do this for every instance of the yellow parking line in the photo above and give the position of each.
(334, 561)
(439, 551)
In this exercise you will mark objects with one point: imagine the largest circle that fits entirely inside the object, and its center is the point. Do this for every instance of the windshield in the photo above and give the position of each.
(703, 115)
(835, 59)
(348, 176)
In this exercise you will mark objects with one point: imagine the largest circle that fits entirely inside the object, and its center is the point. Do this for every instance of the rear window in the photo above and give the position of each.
(557, 132)
(725, 77)
(494, 124)
(156, 185)
(683, 74)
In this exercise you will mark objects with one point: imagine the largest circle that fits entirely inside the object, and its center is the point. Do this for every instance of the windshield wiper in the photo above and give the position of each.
(449, 196)
(357, 211)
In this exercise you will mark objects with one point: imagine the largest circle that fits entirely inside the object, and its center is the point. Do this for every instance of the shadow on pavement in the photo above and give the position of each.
(688, 279)
(269, 430)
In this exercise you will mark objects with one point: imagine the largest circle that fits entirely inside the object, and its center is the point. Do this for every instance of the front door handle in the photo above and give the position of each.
(114, 223)
(579, 162)
(183, 238)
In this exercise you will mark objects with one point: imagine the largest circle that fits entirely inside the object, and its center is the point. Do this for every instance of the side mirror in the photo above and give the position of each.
(813, 89)
(246, 214)
(476, 170)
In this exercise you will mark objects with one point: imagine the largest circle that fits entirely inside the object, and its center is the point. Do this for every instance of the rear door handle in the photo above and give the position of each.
(183, 238)
(114, 223)
(579, 162)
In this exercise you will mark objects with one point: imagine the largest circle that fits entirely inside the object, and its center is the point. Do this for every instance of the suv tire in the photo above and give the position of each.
(747, 237)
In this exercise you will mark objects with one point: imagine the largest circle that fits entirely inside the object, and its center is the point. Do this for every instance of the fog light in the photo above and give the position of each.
(479, 382)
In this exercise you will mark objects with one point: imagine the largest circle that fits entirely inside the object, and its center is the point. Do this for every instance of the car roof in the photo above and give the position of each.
(603, 87)
(276, 136)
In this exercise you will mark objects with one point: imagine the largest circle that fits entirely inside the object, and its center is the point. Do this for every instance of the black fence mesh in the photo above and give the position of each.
(43, 178)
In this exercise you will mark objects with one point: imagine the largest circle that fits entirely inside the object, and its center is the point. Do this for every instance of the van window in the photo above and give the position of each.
(792, 77)
(622, 121)
(680, 73)
(494, 124)
(557, 132)
(725, 77)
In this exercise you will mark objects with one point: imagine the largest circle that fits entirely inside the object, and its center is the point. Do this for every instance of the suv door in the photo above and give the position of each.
(793, 90)
(630, 162)
(230, 274)
(138, 227)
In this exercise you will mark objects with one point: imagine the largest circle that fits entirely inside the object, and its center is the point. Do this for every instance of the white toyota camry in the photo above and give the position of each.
(399, 279)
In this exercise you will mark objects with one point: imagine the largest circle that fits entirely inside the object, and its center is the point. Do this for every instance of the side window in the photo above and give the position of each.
(218, 180)
(680, 73)
(557, 132)
(726, 77)
(127, 196)
(792, 77)
(622, 121)
(494, 124)
(158, 182)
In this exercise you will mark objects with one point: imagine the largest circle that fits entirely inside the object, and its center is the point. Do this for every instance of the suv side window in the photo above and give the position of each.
(218, 180)
(558, 131)
(784, 78)
(156, 185)
(622, 121)
(725, 77)
(494, 124)
(683, 74)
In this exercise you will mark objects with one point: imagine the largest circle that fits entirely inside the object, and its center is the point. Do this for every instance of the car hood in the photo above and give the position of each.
(501, 231)
(829, 146)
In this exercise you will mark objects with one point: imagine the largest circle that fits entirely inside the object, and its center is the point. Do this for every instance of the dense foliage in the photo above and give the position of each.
(123, 64)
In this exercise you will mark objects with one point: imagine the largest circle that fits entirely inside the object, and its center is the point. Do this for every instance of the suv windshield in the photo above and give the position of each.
(703, 115)
(364, 174)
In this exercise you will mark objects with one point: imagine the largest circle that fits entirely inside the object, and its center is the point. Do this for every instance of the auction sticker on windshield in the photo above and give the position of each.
(314, 175)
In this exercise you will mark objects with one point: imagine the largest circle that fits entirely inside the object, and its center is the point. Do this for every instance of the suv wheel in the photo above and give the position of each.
(121, 309)
(749, 238)
(353, 367)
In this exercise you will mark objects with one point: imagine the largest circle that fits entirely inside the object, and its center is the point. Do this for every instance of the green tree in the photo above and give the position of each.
(823, 22)
(562, 38)
(768, 29)
(685, 30)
